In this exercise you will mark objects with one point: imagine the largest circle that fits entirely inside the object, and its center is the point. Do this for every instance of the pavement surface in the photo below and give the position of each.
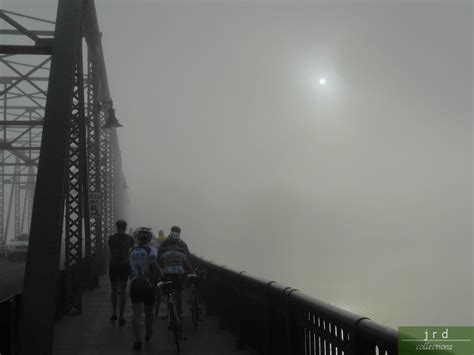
(92, 333)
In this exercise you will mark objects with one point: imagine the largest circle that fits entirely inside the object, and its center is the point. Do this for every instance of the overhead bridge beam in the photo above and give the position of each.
(16, 152)
(21, 123)
(19, 174)
(10, 148)
(10, 79)
(4, 31)
(22, 49)
(22, 107)
(28, 163)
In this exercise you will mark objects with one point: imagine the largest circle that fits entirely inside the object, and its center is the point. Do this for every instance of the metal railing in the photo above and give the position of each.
(273, 319)
(9, 316)
(263, 315)
(10, 307)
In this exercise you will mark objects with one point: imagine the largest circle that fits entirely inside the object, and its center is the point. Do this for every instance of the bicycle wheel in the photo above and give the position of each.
(176, 325)
(157, 302)
(195, 310)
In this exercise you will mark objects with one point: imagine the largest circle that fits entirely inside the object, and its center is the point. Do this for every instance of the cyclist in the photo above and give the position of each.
(175, 265)
(119, 245)
(154, 243)
(161, 237)
(144, 272)
(174, 239)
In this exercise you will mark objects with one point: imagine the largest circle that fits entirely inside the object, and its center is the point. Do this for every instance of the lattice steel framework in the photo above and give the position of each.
(93, 148)
(74, 193)
(2, 194)
(100, 158)
(24, 77)
(16, 192)
(107, 172)
(56, 153)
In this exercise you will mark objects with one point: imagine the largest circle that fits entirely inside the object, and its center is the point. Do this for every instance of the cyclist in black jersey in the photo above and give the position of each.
(119, 245)
(173, 257)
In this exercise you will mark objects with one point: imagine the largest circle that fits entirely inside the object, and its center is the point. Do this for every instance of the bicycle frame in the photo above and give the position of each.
(173, 317)
(194, 301)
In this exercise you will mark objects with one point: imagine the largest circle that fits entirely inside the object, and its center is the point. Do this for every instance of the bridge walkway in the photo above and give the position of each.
(92, 333)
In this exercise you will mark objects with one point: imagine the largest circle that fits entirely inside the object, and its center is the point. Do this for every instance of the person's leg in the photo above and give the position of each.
(137, 319)
(148, 321)
(113, 297)
(149, 303)
(121, 286)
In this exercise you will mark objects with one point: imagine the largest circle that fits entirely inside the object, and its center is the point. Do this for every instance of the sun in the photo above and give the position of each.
(322, 81)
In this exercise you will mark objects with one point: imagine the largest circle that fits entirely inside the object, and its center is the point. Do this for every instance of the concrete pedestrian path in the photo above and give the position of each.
(92, 333)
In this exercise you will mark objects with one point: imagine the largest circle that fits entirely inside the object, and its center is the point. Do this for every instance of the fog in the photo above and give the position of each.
(358, 192)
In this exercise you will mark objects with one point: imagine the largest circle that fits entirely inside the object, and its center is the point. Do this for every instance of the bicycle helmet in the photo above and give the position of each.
(175, 232)
(144, 234)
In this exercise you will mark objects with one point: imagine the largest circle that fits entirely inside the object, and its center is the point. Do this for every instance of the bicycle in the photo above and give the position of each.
(194, 301)
(174, 322)
(157, 300)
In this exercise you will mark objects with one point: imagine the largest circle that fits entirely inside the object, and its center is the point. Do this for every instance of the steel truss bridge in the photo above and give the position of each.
(62, 182)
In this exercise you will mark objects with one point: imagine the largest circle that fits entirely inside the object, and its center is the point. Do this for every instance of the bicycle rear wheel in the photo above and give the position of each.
(195, 310)
(157, 302)
(176, 326)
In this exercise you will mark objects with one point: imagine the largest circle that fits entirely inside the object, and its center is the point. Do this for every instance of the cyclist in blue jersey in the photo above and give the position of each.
(144, 273)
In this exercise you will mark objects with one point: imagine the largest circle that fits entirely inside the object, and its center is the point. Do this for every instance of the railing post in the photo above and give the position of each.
(240, 342)
(222, 304)
(210, 293)
(266, 348)
(286, 293)
(361, 346)
(296, 332)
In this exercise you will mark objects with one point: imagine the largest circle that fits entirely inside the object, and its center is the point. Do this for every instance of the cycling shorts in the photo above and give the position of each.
(118, 272)
(142, 291)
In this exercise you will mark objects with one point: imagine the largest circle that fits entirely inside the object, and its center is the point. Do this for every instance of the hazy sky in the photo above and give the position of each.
(358, 192)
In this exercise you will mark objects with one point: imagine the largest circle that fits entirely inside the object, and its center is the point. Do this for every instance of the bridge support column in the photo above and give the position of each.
(38, 309)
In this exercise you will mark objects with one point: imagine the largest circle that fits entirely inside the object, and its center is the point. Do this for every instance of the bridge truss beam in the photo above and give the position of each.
(56, 154)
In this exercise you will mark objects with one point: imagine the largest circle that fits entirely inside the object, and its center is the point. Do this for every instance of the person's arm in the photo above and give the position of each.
(129, 262)
(187, 265)
(188, 254)
(187, 249)
(182, 244)
(156, 270)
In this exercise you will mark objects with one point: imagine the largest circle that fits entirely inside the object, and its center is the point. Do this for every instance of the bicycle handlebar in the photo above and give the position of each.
(162, 283)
